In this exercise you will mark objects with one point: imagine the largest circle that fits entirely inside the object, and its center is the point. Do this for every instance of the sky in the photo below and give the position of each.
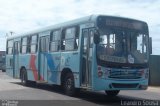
(20, 16)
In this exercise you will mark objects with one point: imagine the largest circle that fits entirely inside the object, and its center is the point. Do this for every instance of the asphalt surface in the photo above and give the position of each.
(13, 93)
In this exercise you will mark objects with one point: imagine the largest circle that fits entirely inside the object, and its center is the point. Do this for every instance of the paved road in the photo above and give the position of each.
(10, 89)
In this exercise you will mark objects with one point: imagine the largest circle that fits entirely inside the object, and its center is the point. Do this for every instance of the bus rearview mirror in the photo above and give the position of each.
(96, 37)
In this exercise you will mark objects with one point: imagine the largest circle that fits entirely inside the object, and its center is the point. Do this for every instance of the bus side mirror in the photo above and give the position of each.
(150, 45)
(96, 37)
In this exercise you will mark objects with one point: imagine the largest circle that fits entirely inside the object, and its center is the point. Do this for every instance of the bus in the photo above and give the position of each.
(2, 61)
(93, 53)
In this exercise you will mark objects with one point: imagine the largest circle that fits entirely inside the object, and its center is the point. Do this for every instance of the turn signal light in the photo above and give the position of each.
(100, 73)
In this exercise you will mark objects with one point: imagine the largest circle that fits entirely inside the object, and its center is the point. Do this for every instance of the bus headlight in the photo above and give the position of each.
(100, 72)
(142, 72)
(147, 74)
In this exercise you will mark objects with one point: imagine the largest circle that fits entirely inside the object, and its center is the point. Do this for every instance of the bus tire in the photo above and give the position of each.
(68, 85)
(3, 70)
(112, 92)
(23, 77)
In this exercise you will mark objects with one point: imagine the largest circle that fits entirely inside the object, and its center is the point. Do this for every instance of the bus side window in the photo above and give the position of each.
(24, 45)
(63, 40)
(10, 47)
(42, 45)
(28, 44)
(76, 44)
(55, 41)
(33, 44)
(71, 38)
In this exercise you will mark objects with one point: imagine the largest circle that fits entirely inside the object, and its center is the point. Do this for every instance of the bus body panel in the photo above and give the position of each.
(30, 63)
(9, 65)
(71, 60)
(53, 60)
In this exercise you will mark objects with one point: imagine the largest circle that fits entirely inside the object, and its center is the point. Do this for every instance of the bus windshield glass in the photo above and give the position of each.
(122, 45)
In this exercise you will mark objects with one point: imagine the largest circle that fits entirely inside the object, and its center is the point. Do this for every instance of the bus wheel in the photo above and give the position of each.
(24, 77)
(3, 70)
(68, 85)
(112, 93)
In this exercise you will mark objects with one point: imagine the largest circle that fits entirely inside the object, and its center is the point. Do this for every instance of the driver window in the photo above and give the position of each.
(145, 43)
(139, 43)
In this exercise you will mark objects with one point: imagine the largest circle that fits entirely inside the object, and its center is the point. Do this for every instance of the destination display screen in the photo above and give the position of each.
(119, 22)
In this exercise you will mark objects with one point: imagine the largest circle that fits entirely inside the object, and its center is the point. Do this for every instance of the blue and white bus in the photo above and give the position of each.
(94, 53)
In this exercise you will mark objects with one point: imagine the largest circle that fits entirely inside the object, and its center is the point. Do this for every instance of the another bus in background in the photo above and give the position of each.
(2, 61)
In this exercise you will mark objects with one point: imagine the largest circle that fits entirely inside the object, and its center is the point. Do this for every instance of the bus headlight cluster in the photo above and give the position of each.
(147, 74)
(144, 73)
(100, 72)
(103, 72)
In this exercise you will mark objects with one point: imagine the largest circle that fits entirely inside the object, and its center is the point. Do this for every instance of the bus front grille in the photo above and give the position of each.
(125, 74)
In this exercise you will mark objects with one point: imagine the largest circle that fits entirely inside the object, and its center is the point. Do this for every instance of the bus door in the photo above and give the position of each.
(87, 39)
(16, 51)
(44, 50)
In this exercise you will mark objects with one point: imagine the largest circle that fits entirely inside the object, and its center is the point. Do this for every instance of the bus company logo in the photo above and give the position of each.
(9, 103)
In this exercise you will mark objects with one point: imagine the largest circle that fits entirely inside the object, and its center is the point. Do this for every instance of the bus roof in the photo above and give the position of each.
(90, 18)
(57, 26)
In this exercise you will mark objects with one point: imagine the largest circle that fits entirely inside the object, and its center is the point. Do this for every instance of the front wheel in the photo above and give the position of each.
(112, 92)
(68, 85)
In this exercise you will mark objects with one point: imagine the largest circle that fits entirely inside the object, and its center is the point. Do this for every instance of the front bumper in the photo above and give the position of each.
(107, 84)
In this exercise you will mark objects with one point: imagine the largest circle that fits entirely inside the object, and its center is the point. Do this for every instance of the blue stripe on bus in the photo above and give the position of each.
(52, 67)
(50, 61)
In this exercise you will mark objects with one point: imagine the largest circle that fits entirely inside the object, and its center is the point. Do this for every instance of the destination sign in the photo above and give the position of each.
(124, 24)
(120, 22)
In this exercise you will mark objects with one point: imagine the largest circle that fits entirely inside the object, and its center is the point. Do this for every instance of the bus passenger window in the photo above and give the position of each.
(33, 44)
(76, 38)
(42, 45)
(24, 45)
(69, 44)
(70, 41)
(55, 41)
(10, 47)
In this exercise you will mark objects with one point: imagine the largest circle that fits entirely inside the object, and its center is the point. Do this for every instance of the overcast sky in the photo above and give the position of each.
(25, 15)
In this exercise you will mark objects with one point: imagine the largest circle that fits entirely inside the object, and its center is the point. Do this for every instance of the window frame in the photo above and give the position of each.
(10, 47)
(43, 43)
(32, 44)
(58, 41)
(75, 37)
(24, 45)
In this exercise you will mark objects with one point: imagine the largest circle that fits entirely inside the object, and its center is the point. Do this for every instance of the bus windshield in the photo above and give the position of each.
(123, 46)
